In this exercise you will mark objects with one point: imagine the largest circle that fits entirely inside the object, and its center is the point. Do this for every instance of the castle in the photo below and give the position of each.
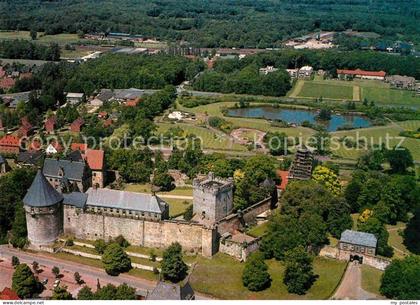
(143, 219)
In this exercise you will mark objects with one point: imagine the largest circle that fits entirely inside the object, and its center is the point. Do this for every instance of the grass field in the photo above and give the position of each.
(358, 90)
(259, 230)
(371, 279)
(375, 135)
(207, 278)
(177, 206)
(58, 38)
(396, 240)
(146, 188)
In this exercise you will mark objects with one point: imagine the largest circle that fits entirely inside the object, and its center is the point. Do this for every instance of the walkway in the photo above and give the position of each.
(356, 93)
(297, 88)
(351, 286)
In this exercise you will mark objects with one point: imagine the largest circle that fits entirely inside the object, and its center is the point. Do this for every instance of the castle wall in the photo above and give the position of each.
(44, 224)
(156, 234)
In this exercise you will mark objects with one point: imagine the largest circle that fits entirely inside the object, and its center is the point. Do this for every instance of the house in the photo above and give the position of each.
(268, 69)
(108, 123)
(78, 146)
(10, 144)
(76, 126)
(95, 160)
(362, 74)
(128, 94)
(8, 294)
(67, 174)
(7, 83)
(26, 128)
(35, 145)
(30, 158)
(53, 148)
(3, 165)
(74, 98)
(50, 124)
(102, 115)
(294, 73)
(357, 244)
(306, 72)
(104, 96)
(401, 82)
(132, 102)
(284, 177)
(170, 291)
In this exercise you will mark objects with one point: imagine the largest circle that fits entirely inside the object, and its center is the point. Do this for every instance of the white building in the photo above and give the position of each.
(306, 71)
(268, 69)
(74, 98)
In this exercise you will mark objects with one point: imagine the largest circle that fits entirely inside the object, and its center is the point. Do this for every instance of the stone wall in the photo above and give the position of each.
(155, 234)
(240, 251)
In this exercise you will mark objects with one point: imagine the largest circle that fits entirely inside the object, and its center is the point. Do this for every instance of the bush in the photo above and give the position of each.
(121, 241)
(173, 267)
(100, 246)
(255, 275)
(299, 275)
(115, 260)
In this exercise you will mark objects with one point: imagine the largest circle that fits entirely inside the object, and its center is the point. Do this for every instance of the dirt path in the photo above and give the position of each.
(351, 285)
(298, 88)
(356, 93)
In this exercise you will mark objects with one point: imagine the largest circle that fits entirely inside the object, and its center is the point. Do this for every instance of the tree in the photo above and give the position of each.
(85, 293)
(375, 226)
(107, 292)
(125, 292)
(401, 279)
(100, 246)
(19, 233)
(56, 271)
(173, 267)
(164, 181)
(33, 34)
(61, 293)
(328, 178)
(15, 261)
(299, 275)
(400, 159)
(321, 142)
(78, 278)
(412, 233)
(255, 275)
(115, 260)
(24, 282)
(188, 214)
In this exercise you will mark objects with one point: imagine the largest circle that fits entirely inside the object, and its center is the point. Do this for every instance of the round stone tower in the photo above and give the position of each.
(44, 212)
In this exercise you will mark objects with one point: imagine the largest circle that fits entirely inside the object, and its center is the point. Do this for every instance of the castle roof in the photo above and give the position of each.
(73, 170)
(125, 200)
(76, 199)
(41, 193)
(359, 238)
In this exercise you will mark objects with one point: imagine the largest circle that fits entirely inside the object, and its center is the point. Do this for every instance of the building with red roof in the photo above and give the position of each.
(76, 126)
(50, 124)
(26, 128)
(10, 144)
(8, 294)
(7, 83)
(358, 73)
(284, 177)
(78, 146)
(133, 102)
(95, 159)
(102, 115)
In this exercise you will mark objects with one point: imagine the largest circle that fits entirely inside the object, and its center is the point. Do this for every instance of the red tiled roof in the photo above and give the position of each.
(362, 72)
(7, 83)
(78, 122)
(10, 140)
(8, 294)
(35, 145)
(95, 159)
(132, 102)
(108, 123)
(78, 146)
(50, 123)
(284, 176)
(102, 114)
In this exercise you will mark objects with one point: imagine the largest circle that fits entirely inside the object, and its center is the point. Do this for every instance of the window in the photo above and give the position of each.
(94, 174)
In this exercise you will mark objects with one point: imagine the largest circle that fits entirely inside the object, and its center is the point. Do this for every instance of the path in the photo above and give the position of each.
(175, 196)
(298, 87)
(351, 286)
(356, 93)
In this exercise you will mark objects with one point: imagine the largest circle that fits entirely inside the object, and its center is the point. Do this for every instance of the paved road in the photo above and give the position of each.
(89, 274)
(351, 285)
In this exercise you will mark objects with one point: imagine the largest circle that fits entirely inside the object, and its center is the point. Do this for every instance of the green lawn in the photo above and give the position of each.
(371, 279)
(58, 38)
(396, 240)
(146, 188)
(177, 206)
(390, 96)
(206, 279)
(374, 135)
(326, 90)
(259, 230)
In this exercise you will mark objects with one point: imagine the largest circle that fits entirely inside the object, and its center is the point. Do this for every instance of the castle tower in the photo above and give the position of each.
(212, 198)
(44, 212)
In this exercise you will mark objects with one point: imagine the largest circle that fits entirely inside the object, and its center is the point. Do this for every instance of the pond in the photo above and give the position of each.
(298, 116)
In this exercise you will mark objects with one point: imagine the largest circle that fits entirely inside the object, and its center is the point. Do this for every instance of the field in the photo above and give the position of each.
(396, 240)
(371, 279)
(58, 38)
(358, 90)
(375, 135)
(206, 279)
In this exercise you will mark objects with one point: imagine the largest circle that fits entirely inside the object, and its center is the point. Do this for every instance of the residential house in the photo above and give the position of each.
(306, 72)
(65, 175)
(50, 124)
(10, 144)
(104, 96)
(123, 95)
(132, 102)
(78, 146)
(7, 83)
(170, 291)
(76, 126)
(54, 148)
(268, 69)
(401, 82)
(362, 74)
(95, 160)
(30, 158)
(74, 98)
(357, 244)
(294, 73)
(8, 294)
(102, 115)
(26, 128)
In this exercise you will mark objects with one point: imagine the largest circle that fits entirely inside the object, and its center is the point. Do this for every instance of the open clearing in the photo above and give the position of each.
(58, 38)
(328, 91)
(371, 279)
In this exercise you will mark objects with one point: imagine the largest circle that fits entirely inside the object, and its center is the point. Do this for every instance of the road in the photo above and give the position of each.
(89, 274)
(351, 285)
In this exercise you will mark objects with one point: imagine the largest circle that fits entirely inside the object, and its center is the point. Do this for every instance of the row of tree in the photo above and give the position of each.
(23, 49)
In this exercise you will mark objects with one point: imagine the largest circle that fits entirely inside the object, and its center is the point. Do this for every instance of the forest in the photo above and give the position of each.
(216, 23)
